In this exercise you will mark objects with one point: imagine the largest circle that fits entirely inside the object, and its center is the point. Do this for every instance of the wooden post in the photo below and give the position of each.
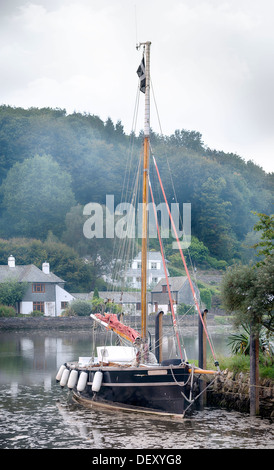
(254, 373)
(202, 341)
(202, 354)
(159, 336)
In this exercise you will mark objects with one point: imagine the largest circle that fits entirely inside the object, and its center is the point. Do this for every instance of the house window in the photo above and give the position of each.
(38, 306)
(138, 306)
(153, 265)
(164, 288)
(38, 287)
(155, 279)
(139, 265)
(64, 305)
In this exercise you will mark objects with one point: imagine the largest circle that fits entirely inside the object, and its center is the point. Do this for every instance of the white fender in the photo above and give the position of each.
(60, 372)
(82, 381)
(64, 377)
(97, 381)
(73, 376)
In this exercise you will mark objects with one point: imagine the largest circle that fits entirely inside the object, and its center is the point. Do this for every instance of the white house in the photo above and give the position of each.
(155, 270)
(45, 291)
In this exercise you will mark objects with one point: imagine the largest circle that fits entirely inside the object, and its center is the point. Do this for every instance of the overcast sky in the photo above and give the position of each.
(212, 64)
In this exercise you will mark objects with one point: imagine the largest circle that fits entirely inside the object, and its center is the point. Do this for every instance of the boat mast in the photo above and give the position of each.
(145, 195)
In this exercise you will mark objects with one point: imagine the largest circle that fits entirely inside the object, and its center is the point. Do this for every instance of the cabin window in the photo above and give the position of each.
(38, 306)
(38, 287)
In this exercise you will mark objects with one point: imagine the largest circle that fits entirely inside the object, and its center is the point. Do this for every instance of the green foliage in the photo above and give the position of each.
(190, 140)
(239, 363)
(36, 197)
(81, 308)
(89, 248)
(112, 307)
(95, 293)
(62, 161)
(206, 297)
(183, 309)
(36, 313)
(266, 227)
(216, 231)
(6, 311)
(247, 291)
(12, 291)
(240, 344)
(97, 303)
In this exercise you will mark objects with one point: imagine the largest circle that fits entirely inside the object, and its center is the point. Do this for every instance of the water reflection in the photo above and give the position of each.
(30, 357)
(36, 413)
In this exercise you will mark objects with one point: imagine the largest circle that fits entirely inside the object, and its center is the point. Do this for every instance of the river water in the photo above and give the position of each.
(35, 413)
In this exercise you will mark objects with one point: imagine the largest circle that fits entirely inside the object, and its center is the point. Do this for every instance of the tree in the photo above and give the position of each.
(36, 197)
(247, 291)
(189, 139)
(266, 227)
(97, 250)
(12, 291)
(215, 229)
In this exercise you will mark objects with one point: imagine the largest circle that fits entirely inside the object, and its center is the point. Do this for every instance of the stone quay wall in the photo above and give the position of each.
(230, 390)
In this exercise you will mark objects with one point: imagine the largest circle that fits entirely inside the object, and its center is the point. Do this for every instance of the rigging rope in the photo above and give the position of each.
(184, 263)
(166, 275)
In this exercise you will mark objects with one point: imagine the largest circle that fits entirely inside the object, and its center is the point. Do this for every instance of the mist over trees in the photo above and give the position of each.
(52, 164)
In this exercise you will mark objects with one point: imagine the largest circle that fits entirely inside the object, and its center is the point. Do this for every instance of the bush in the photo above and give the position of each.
(35, 313)
(206, 297)
(82, 308)
(6, 311)
(184, 309)
(68, 312)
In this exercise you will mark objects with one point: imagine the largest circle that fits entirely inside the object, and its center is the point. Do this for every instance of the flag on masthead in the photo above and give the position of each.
(141, 72)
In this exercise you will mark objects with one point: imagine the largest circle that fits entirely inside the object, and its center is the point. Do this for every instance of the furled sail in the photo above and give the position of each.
(111, 322)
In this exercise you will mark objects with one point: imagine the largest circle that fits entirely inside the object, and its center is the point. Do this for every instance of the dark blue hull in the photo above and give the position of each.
(166, 389)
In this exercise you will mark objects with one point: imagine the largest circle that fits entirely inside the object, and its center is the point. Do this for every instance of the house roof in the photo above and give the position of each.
(152, 256)
(27, 273)
(126, 298)
(175, 283)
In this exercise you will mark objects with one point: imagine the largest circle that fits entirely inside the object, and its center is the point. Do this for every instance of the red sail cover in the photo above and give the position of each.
(114, 324)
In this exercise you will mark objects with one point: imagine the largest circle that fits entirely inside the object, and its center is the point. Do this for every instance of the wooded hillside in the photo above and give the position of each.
(52, 164)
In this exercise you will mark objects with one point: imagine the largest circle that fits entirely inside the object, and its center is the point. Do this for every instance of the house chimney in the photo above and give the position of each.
(45, 268)
(11, 261)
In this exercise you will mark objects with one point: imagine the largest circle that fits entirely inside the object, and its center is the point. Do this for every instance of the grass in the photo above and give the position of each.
(240, 363)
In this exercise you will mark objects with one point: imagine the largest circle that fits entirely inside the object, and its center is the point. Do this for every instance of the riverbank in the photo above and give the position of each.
(42, 322)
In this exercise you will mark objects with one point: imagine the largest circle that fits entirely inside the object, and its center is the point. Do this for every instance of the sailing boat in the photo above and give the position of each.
(130, 377)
